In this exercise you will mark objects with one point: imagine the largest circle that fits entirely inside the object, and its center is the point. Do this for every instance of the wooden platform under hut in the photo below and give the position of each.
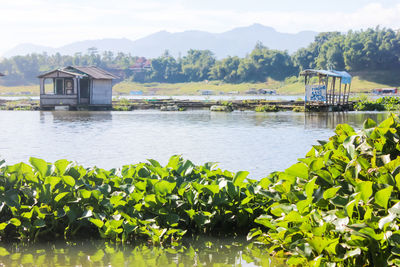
(327, 90)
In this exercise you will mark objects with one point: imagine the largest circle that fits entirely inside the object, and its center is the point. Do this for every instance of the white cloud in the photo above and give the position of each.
(55, 23)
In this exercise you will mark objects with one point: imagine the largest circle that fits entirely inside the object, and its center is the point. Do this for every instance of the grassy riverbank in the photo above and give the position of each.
(362, 82)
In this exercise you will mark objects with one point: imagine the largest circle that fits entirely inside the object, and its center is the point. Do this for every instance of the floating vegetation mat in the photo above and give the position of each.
(338, 205)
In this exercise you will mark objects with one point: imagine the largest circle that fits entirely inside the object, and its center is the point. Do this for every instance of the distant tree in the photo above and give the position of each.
(196, 65)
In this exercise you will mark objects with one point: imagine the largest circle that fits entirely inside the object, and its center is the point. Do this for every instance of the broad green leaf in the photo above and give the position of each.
(382, 196)
(369, 123)
(174, 162)
(365, 188)
(154, 163)
(309, 188)
(69, 180)
(85, 193)
(239, 178)
(303, 204)
(150, 200)
(60, 196)
(99, 223)
(265, 220)
(39, 165)
(15, 222)
(293, 216)
(164, 187)
(264, 183)
(331, 192)
(319, 243)
(299, 170)
(52, 180)
(214, 188)
(61, 166)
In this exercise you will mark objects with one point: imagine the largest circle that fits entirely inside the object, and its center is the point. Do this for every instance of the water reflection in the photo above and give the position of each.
(76, 116)
(200, 252)
(332, 119)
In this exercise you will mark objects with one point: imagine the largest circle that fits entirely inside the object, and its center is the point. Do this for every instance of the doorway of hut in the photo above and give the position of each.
(84, 91)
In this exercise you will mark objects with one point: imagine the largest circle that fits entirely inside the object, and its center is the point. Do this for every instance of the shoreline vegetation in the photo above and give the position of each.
(351, 51)
(290, 86)
(360, 103)
(337, 205)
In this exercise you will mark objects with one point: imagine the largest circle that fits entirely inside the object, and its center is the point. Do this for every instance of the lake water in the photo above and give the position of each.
(256, 142)
(186, 97)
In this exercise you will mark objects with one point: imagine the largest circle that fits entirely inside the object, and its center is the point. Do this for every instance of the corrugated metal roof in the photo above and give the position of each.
(60, 70)
(346, 77)
(92, 71)
(95, 72)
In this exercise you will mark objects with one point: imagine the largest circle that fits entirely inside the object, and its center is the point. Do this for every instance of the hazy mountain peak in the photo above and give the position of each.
(236, 42)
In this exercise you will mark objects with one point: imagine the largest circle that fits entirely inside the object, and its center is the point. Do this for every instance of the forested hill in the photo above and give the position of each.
(356, 51)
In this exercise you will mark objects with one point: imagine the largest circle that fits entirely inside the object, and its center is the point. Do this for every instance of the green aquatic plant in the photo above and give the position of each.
(388, 103)
(142, 201)
(299, 109)
(340, 204)
(122, 104)
(266, 108)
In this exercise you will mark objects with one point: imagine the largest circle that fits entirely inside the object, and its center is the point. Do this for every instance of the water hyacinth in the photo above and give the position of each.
(142, 201)
(339, 204)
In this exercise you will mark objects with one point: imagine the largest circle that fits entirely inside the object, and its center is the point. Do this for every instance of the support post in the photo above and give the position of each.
(42, 86)
(340, 91)
(333, 90)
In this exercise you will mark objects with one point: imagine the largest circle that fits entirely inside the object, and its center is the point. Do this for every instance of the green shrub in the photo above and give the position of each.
(339, 205)
(384, 103)
(299, 109)
(266, 108)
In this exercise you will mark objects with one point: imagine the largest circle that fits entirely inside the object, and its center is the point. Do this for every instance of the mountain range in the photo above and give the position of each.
(236, 42)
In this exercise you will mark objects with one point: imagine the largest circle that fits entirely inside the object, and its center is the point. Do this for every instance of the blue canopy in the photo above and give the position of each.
(345, 76)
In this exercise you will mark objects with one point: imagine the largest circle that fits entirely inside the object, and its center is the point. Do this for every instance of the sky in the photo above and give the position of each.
(59, 22)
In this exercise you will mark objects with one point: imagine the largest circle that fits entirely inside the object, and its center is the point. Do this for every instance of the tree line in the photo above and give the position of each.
(365, 50)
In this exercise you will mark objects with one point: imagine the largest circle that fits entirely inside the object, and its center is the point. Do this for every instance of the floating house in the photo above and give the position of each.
(326, 89)
(76, 87)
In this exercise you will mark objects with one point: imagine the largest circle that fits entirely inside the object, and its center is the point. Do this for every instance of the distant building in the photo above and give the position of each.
(141, 64)
(206, 92)
(385, 91)
(76, 87)
(266, 91)
(252, 92)
(233, 93)
(139, 92)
